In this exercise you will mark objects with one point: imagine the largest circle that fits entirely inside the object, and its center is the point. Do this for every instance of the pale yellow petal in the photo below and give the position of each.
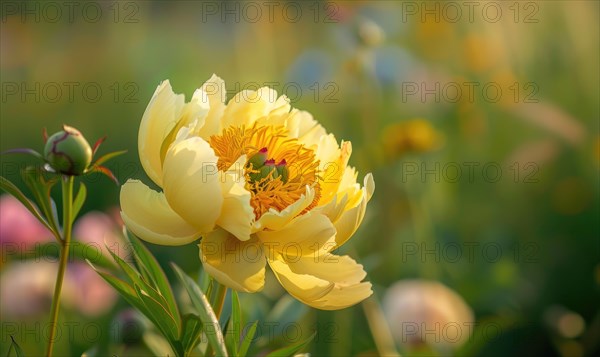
(306, 128)
(302, 236)
(236, 264)
(214, 94)
(191, 182)
(276, 220)
(341, 297)
(333, 161)
(303, 287)
(326, 282)
(160, 117)
(349, 221)
(248, 105)
(147, 214)
(237, 215)
(344, 272)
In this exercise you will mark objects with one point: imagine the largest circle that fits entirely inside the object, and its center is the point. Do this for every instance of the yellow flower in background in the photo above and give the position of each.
(260, 182)
(415, 135)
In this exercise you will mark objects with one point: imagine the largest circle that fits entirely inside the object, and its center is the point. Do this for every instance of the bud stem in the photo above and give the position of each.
(67, 201)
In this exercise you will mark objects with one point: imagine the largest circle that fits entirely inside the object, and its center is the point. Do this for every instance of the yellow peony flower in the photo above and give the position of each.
(260, 182)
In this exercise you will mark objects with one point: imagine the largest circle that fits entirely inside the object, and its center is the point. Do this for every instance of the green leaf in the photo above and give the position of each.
(40, 188)
(79, 200)
(77, 250)
(245, 345)
(232, 337)
(205, 311)
(104, 158)
(105, 171)
(126, 291)
(24, 151)
(137, 279)
(13, 190)
(147, 305)
(165, 321)
(153, 272)
(15, 346)
(191, 332)
(292, 349)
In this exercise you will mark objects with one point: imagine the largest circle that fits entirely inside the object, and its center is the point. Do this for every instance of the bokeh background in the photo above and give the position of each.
(479, 121)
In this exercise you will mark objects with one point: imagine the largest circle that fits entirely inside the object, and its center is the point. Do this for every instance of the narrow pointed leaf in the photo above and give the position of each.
(291, 350)
(132, 296)
(77, 250)
(97, 145)
(235, 324)
(191, 332)
(79, 200)
(136, 279)
(245, 345)
(160, 315)
(154, 273)
(105, 171)
(205, 311)
(40, 188)
(126, 291)
(104, 158)
(24, 151)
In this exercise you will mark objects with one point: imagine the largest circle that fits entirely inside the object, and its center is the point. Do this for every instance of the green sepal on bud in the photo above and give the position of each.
(68, 152)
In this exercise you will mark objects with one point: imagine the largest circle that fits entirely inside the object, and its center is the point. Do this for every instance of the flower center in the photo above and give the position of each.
(277, 169)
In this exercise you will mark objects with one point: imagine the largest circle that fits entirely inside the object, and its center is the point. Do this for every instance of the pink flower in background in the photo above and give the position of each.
(99, 230)
(26, 287)
(86, 291)
(18, 226)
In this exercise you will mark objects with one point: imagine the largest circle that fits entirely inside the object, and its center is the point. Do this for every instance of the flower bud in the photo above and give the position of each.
(68, 152)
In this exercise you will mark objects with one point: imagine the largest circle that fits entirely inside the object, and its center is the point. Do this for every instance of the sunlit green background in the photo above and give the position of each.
(523, 211)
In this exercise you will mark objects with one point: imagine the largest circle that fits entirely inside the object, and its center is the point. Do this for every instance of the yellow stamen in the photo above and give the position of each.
(269, 193)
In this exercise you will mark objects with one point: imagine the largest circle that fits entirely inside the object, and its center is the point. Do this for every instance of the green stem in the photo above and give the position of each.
(217, 297)
(67, 201)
